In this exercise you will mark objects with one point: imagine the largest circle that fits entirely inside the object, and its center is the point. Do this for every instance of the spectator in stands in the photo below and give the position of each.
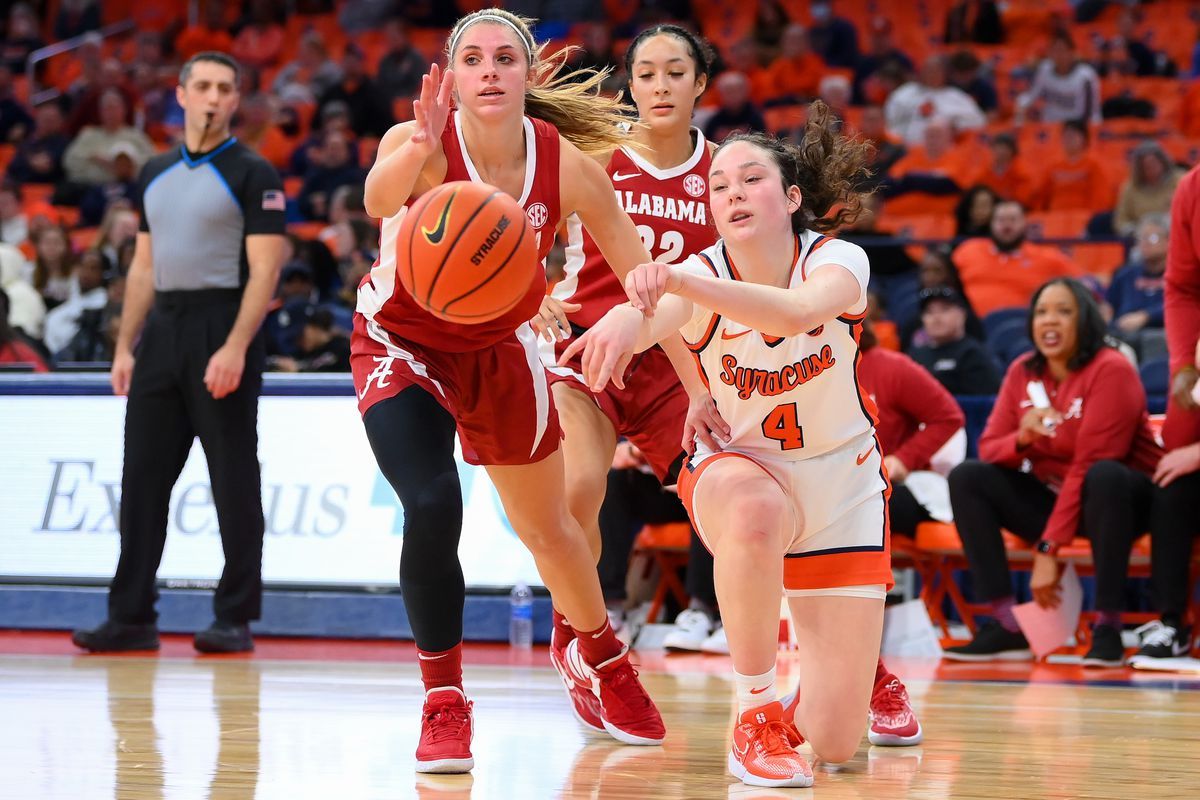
(274, 132)
(837, 92)
(1149, 188)
(75, 18)
(323, 348)
(1147, 62)
(1080, 467)
(910, 108)
(156, 110)
(1077, 181)
(21, 38)
(795, 75)
(1003, 269)
(401, 69)
(1173, 528)
(887, 151)
(210, 34)
(118, 228)
(771, 20)
(975, 21)
(360, 16)
(334, 118)
(595, 48)
(965, 72)
(959, 362)
(1005, 174)
(52, 266)
(937, 270)
(745, 58)
(737, 113)
(126, 163)
(310, 74)
(917, 421)
(260, 42)
(15, 121)
(881, 51)
(932, 173)
(88, 293)
(973, 214)
(38, 159)
(25, 310)
(1136, 290)
(13, 349)
(88, 93)
(835, 39)
(370, 110)
(88, 160)
(338, 166)
(14, 225)
(1064, 88)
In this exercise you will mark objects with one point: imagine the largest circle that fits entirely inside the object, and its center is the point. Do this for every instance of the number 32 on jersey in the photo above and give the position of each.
(671, 244)
(783, 426)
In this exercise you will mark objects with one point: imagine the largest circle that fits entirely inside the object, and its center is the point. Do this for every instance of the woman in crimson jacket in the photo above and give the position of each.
(1067, 451)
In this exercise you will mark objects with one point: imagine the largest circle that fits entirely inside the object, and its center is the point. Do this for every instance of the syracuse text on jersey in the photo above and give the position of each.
(770, 383)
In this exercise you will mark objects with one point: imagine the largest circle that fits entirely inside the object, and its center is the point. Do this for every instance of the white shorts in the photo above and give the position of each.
(839, 500)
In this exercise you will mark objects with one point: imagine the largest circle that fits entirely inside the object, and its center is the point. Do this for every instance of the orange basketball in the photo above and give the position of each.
(465, 252)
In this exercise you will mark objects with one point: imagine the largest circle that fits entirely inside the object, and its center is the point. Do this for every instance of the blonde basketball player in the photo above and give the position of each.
(798, 497)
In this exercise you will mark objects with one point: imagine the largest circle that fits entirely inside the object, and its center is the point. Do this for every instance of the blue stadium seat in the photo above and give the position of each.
(1009, 340)
(1156, 376)
(1002, 315)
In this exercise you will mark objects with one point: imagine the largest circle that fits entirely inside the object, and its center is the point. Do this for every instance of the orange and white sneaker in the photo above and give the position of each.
(893, 722)
(584, 703)
(446, 730)
(764, 750)
(626, 710)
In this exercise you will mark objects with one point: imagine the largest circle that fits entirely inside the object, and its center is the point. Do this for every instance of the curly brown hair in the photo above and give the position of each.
(828, 167)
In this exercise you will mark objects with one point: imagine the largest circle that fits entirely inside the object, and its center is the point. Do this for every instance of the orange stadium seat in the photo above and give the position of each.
(7, 151)
(1100, 259)
(665, 546)
(1058, 224)
(920, 226)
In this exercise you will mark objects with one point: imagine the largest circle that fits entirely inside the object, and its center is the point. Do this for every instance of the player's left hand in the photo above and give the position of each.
(647, 283)
(704, 422)
(1044, 580)
(552, 323)
(1177, 463)
(224, 372)
(607, 348)
(897, 472)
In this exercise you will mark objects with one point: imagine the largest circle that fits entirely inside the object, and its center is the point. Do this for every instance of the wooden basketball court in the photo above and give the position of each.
(302, 719)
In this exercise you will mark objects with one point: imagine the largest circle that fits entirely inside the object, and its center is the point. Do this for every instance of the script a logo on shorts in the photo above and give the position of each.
(694, 185)
(538, 214)
(435, 236)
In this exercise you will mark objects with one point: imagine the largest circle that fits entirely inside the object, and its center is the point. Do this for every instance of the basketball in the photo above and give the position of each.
(465, 252)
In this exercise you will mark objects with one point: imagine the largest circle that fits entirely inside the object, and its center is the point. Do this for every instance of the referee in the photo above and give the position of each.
(204, 268)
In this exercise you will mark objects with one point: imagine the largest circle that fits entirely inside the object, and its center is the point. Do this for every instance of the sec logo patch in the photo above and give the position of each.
(694, 185)
(537, 214)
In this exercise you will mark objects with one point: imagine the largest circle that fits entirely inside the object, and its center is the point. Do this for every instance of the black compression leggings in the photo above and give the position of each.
(413, 440)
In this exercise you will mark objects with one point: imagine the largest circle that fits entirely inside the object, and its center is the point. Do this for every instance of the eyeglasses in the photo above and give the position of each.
(1153, 238)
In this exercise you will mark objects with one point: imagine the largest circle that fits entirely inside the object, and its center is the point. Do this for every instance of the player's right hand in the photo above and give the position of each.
(1036, 423)
(1182, 387)
(432, 109)
(552, 322)
(647, 283)
(122, 373)
(607, 347)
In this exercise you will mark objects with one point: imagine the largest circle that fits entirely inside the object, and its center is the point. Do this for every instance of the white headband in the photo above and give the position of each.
(490, 17)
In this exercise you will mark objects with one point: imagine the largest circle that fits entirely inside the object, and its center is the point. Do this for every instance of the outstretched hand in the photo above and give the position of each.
(432, 108)
(647, 283)
(607, 348)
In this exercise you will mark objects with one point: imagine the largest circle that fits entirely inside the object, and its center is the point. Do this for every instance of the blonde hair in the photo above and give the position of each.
(571, 101)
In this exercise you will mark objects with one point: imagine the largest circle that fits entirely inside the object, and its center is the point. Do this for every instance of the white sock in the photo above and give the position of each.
(754, 690)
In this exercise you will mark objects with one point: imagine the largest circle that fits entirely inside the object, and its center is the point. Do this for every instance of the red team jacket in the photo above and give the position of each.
(1181, 301)
(907, 397)
(1104, 417)
(400, 314)
(669, 208)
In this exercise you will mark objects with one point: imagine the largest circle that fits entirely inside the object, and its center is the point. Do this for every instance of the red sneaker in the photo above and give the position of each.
(764, 750)
(584, 703)
(626, 710)
(446, 731)
(892, 719)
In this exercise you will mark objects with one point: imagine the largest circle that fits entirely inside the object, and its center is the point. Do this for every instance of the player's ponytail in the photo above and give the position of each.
(829, 169)
(569, 101)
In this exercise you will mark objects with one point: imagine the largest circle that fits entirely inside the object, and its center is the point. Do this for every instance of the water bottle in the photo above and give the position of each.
(520, 620)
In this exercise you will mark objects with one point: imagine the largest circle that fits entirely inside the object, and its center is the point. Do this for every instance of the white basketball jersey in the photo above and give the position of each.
(784, 398)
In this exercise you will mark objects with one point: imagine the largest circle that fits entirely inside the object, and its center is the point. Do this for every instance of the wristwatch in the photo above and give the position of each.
(1046, 547)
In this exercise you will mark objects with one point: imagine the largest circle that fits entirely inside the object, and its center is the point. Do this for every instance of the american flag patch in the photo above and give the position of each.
(273, 200)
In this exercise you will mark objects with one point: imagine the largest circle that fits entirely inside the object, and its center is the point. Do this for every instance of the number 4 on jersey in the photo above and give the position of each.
(783, 425)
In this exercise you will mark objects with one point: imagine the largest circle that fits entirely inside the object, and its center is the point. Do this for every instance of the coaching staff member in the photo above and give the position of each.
(205, 266)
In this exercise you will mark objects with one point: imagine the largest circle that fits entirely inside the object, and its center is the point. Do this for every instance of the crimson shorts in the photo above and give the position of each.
(649, 411)
(499, 396)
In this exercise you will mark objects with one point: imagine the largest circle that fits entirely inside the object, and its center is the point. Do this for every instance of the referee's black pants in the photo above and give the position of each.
(168, 407)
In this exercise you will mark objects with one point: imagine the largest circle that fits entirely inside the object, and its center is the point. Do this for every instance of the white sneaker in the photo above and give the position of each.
(716, 644)
(692, 628)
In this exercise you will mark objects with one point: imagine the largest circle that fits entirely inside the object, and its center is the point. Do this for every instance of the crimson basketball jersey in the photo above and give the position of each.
(788, 398)
(670, 209)
(384, 300)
